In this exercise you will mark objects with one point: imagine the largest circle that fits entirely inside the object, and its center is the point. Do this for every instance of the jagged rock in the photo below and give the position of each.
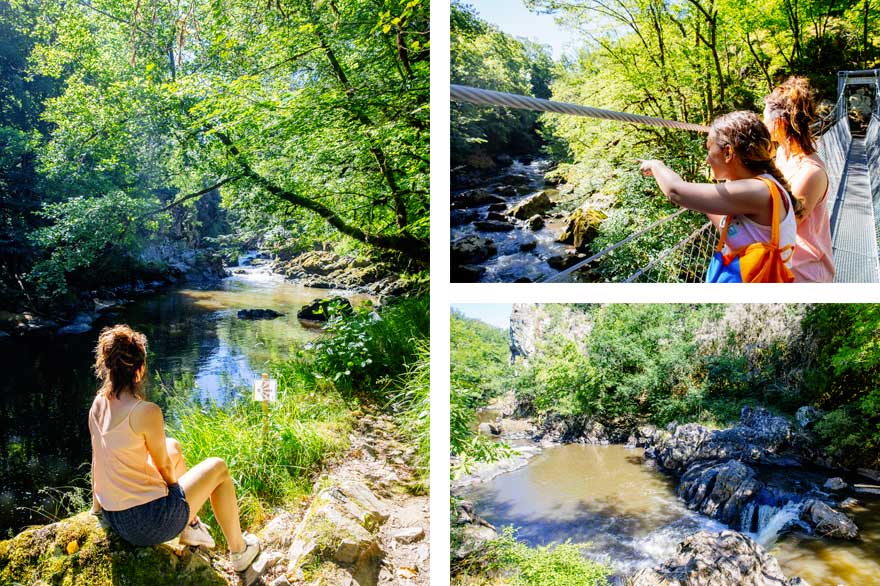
(472, 250)
(474, 198)
(760, 437)
(828, 522)
(473, 539)
(409, 535)
(868, 473)
(583, 227)
(528, 246)
(100, 558)
(836, 484)
(340, 527)
(719, 491)
(461, 217)
(258, 314)
(506, 190)
(81, 324)
(563, 261)
(576, 429)
(806, 416)
(536, 222)
(496, 217)
(534, 204)
(497, 207)
(531, 322)
(491, 226)
(467, 273)
(715, 559)
(322, 309)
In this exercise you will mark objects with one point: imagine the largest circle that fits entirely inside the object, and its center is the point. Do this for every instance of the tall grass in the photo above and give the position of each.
(410, 401)
(309, 421)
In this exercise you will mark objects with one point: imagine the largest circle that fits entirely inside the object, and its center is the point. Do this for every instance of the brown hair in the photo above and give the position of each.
(746, 134)
(120, 354)
(793, 104)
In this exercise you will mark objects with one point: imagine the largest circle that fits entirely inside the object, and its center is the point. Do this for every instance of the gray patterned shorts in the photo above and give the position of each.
(153, 522)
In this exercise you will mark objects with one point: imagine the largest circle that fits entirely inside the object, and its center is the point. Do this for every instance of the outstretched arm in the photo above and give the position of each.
(742, 197)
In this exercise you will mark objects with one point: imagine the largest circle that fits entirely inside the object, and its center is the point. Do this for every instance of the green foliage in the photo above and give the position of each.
(483, 56)
(552, 565)
(479, 370)
(410, 400)
(83, 231)
(366, 350)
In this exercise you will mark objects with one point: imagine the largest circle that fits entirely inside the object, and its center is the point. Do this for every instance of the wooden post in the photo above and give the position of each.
(265, 386)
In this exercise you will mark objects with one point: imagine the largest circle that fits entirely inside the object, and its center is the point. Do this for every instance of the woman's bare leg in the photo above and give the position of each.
(175, 453)
(211, 479)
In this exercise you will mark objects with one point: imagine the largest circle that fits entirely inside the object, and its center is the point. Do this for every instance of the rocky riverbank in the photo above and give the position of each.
(363, 525)
(763, 477)
(324, 269)
(161, 267)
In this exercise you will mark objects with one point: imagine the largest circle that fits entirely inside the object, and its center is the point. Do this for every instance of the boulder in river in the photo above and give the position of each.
(258, 314)
(716, 559)
(474, 198)
(583, 227)
(537, 203)
(828, 522)
(719, 491)
(506, 190)
(460, 217)
(323, 309)
(536, 222)
(836, 484)
(493, 226)
(472, 249)
(563, 261)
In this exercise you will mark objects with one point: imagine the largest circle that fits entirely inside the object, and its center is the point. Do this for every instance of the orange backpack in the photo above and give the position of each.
(758, 262)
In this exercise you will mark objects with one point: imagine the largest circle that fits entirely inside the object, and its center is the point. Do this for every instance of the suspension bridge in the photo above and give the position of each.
(678, 247)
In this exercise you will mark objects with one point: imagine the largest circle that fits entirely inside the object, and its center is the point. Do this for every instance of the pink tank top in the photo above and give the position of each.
(813, 262)
(123, 472)
(743, 231)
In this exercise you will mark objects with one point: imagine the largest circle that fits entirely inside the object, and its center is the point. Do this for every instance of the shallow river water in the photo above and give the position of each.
(193, 334)
(629, 513)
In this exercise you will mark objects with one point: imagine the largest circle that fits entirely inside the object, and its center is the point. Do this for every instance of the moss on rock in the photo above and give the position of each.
(100, 558)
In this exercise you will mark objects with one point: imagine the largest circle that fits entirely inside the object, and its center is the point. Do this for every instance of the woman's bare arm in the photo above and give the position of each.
(96, 506)
(742, 197)
(809, 187)
(147, 420)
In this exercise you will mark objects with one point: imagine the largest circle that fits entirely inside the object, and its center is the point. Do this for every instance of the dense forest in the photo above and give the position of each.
(689, 61)
(131, 128)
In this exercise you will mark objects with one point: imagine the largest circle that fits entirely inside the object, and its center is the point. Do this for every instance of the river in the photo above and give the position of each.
(193, 334)
(628, 511)
(511, 262)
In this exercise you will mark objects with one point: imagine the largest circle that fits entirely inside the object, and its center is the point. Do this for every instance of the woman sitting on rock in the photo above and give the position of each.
(740, 153)
(789, 111)
(139, 479)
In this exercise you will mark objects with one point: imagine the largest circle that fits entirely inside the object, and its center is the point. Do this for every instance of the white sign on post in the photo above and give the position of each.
(266, 390)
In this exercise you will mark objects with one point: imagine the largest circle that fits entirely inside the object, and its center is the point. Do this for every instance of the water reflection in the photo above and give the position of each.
(47, 383)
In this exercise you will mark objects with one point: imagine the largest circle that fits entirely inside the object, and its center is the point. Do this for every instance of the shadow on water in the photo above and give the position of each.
(47, 384)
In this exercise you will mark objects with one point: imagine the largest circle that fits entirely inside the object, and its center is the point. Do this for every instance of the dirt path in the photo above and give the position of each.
(399, 546)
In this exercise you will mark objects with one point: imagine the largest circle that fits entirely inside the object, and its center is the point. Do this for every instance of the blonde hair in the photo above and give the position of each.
(746, 134)
(793, 104)
(119, 356)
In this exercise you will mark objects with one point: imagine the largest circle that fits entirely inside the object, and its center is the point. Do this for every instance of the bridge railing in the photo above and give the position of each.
(872, 144)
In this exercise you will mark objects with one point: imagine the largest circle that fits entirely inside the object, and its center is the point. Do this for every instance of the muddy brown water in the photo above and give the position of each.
(628, 512)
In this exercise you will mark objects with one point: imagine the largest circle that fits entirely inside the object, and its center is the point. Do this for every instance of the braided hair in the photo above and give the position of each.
(793, 104)
(746, 134)
(119, 356)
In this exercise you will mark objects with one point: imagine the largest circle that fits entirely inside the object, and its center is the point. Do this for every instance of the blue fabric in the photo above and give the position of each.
(718, 272)
(153, 522)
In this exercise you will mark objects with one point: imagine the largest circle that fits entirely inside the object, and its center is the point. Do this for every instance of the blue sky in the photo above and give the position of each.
(512, 17)
(496, 314)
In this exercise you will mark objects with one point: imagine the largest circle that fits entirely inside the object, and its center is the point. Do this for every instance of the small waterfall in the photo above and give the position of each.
(771, 520)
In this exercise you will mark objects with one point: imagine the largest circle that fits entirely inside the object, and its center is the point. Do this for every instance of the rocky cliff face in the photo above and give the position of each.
(534, 324)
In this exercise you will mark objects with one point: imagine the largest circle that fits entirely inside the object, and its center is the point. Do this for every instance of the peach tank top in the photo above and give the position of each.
(123, 471)
(813, 262)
